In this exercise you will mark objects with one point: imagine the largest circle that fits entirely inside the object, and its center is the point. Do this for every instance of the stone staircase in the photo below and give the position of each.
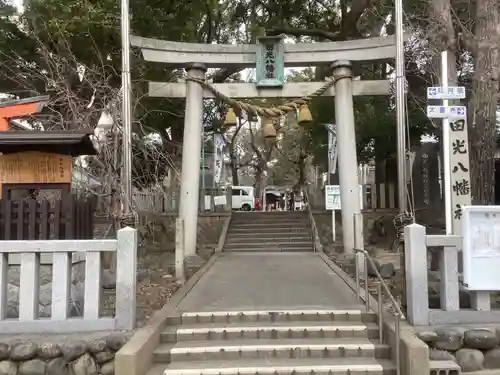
(269, 231)
(267, 342)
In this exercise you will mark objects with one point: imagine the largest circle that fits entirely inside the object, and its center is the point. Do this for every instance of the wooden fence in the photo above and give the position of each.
(169, 201)
(69, 218)
(125, 247)
(157, 202)
(379, 196)
(374, 197)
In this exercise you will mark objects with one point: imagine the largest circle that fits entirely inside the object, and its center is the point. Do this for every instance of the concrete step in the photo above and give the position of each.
(249, 241)
(267, 229)
(278, 316)
(271, 220)
(288, 249)
(258, 243)
(278, 214)
(273, 366)
(156, 369)
(266, 235)
(266, 349)
(273, 224)
(261, 330)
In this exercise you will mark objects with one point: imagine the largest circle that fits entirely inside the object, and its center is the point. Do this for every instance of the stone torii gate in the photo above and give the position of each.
(196, 58)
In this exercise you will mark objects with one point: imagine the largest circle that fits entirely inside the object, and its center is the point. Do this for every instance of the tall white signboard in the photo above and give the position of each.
(332, 202)
(332, 197)
(481, 247)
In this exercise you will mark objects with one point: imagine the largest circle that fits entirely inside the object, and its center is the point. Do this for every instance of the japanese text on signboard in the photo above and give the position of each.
(459, 169)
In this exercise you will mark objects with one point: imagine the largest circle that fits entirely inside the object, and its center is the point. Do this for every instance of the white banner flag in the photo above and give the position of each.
(218, 157)
(332, 148)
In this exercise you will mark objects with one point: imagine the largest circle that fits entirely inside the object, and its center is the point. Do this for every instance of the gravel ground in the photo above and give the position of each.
(155, 284)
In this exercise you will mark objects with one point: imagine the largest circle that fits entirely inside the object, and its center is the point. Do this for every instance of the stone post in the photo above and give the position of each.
(126, 278)
(347, 158)
(417, 298)
(191, 158)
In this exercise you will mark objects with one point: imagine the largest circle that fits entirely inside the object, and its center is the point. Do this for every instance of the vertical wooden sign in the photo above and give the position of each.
(459, 170)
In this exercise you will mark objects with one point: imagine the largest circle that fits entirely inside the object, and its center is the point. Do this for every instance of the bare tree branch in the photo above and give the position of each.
(304, 32)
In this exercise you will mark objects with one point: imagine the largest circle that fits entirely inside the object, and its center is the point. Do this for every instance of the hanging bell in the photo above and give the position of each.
(305, 117)
(231, 119)
(268, 128)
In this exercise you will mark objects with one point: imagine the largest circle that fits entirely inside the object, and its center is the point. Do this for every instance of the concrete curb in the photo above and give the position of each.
(136, 357)
(414, 353)
(223, 234)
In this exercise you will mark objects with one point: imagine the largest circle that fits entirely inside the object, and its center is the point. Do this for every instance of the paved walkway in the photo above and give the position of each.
(264, 281)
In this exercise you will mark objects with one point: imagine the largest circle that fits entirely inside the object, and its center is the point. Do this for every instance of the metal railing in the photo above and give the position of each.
(312, 224)
(381, 288)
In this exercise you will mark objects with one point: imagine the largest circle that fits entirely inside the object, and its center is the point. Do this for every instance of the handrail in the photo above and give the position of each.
(380, 279)
(382, 287)
(314, 229)
(398, 315)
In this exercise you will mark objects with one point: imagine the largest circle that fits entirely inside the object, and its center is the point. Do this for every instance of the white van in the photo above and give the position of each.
(242, 198)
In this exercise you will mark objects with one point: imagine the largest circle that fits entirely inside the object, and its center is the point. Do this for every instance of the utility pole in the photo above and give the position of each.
(400, 107)
(446, 148)
(126, 110)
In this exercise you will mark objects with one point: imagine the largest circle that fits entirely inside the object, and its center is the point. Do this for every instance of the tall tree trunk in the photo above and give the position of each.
(301, 181)
(234, 171)
(259, 173)
(483, 102)
(234, 163)
(258, 181)
(443, 38)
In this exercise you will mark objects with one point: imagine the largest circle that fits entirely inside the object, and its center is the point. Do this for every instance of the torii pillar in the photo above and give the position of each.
(191, 161)
(12, 109)
(348, 161)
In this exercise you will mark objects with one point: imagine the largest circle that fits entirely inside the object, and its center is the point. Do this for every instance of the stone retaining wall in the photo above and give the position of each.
(94, 357)
(378, 228)
(158, 231)
(473, 349)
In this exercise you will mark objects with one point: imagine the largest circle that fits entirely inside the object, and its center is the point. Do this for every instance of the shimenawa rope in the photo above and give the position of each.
(274, 111)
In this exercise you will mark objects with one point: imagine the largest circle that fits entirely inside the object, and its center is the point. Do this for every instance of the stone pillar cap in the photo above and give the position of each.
(197, 66)
(341, 64)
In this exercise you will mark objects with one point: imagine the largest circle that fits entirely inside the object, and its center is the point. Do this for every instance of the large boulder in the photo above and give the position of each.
(482, 339)
(449, 339)
(469, 359)
(492, 358)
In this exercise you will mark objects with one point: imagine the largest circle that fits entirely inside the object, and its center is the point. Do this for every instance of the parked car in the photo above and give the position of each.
(242, 198)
